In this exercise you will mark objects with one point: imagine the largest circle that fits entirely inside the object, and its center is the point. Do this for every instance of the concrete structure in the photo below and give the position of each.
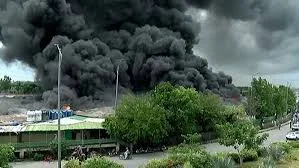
(76, 130)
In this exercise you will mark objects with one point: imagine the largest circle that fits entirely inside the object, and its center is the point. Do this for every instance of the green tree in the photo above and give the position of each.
(210, 112)
(240, 134)
(182, 105)
(6, 154)
(138, 119)
(5, 84)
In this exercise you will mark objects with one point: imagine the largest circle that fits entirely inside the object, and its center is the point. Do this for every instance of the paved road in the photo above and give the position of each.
(274, 136)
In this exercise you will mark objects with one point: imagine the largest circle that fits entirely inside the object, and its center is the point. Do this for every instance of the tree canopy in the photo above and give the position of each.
(18, 87)
(170, 111)
(138, 120)
(266, 99)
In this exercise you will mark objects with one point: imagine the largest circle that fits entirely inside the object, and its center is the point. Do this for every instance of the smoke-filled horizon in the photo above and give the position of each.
(248, 37)
(152, 41)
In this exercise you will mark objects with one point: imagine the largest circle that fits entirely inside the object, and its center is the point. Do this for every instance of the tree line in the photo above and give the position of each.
(168, 112)
(267, 100)
(18, 87)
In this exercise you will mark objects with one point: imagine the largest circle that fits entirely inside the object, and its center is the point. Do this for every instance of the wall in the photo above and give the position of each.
(38, 136)
(5, 138)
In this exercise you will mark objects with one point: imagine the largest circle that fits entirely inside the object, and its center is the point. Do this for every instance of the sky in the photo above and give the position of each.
(237, 40)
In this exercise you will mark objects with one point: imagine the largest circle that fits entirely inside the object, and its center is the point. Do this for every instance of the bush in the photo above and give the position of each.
(160, 163)
(262, 151)
(54, 148)
(6, 154)
(249, 155)
(100, 162)
(223, 162)
(192, 138)
(38, 157)
(291, 156)
(293, 144)
(73, 163)
(187, 165)
(186, 148)
(234, 156)
(285, 146)
(276, 152)
(197, 160)
(268, 162)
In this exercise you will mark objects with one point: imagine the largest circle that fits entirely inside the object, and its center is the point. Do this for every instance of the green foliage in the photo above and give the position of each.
(38, 157)
(223, 162)
(276, 152)
(197, 160)
(6, 154)
(293, 144)
(73, 163)
(54, 148)
(19, 87)
(100, 162)
(182, 106)
(186, 148)
(138, 119)
(266, 100)
(192, 138)
(285, 146)
(240, 133)
(160, 163)
(187, 165)
(268, 162)
(249, 155)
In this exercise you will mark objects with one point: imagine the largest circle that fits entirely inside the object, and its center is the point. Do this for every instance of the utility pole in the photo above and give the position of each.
(58, 106)
(116, 87)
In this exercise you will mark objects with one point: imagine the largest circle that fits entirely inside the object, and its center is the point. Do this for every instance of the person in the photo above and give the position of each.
(127, 152)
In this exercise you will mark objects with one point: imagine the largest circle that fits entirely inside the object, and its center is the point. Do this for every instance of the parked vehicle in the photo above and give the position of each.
(293, 135)
(295, 127)
(113, 153)
(123, 157)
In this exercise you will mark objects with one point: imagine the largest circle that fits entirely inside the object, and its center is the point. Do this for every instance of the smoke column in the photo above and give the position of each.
(151, 40)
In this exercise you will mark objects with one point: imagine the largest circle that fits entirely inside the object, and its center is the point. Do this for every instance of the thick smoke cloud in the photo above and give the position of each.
(250, 36)
(150, 40)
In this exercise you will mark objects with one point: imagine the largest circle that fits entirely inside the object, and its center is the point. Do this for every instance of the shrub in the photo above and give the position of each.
(101, 162)
(38, 157)
(187, 165)
(6, 154)
(293, 144)
(276, 152)
(54, 148)
(73, 163)
(234, 156)
(285, 146)
(223, 162)
(262, 151)
(160, 163)
(197, 160)
(192, 138)
(291, 156)
(186, 148)
(249, 155)
(267, 162)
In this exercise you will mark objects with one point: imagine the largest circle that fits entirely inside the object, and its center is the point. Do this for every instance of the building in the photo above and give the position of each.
(76, 130)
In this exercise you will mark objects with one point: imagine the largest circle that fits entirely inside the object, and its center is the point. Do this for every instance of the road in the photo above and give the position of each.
(274, 136)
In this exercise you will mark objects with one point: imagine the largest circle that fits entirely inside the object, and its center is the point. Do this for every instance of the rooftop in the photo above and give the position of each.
(68, 123)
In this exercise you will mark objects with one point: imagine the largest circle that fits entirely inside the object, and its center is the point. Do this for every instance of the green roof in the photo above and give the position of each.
(69, 123)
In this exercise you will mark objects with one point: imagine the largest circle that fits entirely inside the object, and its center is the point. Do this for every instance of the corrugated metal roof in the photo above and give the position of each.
(68, 123)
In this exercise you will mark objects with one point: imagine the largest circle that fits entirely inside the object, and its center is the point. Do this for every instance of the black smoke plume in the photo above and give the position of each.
(150, 40)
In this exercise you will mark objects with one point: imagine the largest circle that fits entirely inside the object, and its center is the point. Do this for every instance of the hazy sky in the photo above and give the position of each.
(266, 44)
